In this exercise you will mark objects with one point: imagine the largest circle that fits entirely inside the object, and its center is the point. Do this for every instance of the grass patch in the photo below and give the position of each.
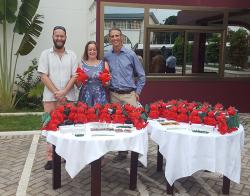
(20, 123)
(14, 110)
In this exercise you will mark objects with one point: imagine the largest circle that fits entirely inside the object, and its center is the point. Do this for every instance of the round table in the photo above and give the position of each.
(187, 152)
(88, 149)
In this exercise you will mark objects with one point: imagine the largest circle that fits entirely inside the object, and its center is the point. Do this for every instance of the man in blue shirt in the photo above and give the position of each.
(171, 63)
(124, 67)
(127, 74)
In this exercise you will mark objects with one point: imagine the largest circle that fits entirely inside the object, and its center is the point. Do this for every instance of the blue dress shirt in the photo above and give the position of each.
(126, 70)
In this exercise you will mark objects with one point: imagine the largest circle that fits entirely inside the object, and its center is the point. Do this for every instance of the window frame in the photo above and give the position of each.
(186, 28)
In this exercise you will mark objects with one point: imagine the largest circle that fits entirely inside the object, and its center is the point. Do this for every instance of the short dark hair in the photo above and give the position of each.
(85, 54)
(115, 29)
(59, 27)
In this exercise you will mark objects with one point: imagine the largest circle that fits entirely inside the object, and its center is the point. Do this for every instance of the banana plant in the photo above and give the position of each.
(26, 24)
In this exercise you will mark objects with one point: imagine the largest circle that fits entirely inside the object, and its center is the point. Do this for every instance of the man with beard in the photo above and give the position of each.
(57, 67)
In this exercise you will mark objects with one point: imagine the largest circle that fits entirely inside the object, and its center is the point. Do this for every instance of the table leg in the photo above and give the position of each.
(56, 175)
(226, 185)
(159, 160)
(96, 178)
(133, 170)
(170, 189)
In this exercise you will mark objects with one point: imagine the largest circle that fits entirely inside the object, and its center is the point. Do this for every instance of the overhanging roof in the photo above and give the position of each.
(200, 3)
(236, 17)
(130, 16)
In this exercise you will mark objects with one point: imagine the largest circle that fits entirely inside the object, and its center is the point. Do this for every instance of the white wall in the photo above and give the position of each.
(74, 16)
(92, 20)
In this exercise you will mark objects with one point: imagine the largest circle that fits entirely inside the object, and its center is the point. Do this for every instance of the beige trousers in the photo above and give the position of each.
(124, 98)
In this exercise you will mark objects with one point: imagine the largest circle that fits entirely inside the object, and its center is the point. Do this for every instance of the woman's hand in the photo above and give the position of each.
(107, 83)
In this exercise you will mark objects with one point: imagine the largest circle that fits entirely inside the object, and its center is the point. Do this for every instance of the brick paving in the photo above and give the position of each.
(13, 153)
(115, 176)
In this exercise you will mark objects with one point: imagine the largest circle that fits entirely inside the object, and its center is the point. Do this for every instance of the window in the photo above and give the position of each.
(202, 53)
(161, 50)
(185, 52)
(205, 41)
(186, 17)
(108, 24)
(129, 20)
(237, 58)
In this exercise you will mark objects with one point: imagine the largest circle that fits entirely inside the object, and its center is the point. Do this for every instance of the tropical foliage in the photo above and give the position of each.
(238, 51)
(178, 49)
(213, 49)
(27, 25)
(29, 88)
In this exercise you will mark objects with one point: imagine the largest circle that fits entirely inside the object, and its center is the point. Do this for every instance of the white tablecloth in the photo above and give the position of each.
(80, 151)
(187, 152)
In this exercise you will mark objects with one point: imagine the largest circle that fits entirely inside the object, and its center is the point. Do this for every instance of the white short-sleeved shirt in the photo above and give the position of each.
(59, 71)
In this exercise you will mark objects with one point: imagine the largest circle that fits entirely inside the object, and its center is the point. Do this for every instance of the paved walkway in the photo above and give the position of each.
(22, 173)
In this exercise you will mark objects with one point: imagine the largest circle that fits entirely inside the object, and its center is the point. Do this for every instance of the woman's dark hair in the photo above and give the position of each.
(85, 54)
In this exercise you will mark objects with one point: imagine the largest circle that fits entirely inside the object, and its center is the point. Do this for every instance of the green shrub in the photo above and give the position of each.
(238, 51)
(29, 88)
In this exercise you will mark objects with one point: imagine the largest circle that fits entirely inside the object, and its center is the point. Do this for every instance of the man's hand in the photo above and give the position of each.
(137, 96)
(60, 94)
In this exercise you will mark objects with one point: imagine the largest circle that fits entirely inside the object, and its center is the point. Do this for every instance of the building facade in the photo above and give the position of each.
(189, 21)
(194, 25)
(79, 19)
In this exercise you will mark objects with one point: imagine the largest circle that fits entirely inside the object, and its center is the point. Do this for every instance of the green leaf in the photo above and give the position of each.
(28, 42)
(66, 111)
(202, 115)
(124, 113)
(36, 91)
(27, 11)
(97, 112)
(147, 108)
(7, 10)
(235, 120)
(45, 118)
(144, 116)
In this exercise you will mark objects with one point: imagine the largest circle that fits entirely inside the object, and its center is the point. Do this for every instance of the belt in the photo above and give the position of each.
(121, 91)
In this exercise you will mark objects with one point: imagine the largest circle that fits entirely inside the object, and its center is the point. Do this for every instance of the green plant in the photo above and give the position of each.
(178, 50)
(27, 25)
(29, 88)
(238, 51)
(20, 123)
(213, 49)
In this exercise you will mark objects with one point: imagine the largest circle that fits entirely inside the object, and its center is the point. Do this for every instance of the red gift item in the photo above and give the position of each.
(231, 111)
(81, 75)
(104, 76)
